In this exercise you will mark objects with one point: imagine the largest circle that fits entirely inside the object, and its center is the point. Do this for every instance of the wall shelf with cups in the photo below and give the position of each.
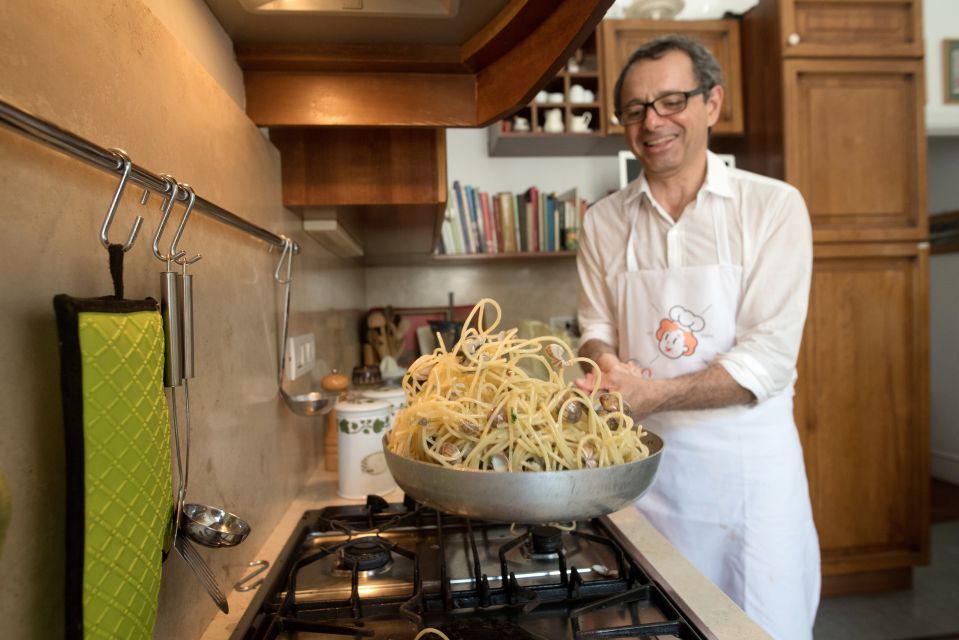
(565, 118)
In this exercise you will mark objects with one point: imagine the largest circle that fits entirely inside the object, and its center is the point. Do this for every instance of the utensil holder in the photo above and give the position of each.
(361, 423)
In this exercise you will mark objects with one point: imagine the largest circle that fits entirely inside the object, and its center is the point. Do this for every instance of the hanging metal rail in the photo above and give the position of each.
(73, 145)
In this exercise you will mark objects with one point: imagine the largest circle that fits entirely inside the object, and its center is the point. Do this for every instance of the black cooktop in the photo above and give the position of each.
(390, 570)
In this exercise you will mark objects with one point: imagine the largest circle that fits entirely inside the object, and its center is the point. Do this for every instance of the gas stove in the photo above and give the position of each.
(390, 570)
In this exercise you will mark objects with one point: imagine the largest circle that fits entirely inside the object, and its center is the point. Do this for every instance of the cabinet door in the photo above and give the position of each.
(855, 146)
(621, 38)
(837, 28)
(862, 405)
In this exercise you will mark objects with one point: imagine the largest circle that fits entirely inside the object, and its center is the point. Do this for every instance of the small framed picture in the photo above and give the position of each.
(950, 70)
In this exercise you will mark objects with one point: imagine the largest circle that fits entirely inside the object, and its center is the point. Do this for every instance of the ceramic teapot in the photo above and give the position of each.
(554, 121)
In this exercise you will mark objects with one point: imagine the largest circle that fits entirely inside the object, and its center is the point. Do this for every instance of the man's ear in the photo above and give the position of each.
(714, 104)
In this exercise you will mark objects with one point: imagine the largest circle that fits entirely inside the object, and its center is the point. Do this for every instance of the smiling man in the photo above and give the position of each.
(694, 284)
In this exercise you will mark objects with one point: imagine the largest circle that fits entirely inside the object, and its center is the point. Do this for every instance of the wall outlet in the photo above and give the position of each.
(300, 355)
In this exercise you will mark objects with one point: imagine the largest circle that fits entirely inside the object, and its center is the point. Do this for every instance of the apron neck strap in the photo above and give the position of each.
(723, 254)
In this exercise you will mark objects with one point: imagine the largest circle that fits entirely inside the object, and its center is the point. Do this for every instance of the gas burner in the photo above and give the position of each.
(485, 629)
(370, 557)
(545, 543)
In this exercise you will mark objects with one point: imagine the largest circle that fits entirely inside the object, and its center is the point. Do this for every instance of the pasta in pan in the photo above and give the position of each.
(470, 406)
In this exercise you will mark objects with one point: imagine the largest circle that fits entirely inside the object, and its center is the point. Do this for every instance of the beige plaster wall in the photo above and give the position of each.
(112, 72)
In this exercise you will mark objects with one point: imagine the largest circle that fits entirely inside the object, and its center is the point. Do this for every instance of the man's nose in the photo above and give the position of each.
(651, 119)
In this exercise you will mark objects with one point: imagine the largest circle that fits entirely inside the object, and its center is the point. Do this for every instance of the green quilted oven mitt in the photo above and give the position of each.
(119, 494)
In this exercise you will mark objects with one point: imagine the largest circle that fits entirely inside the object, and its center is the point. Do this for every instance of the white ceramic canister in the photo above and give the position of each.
(391, 394)
(361, 424)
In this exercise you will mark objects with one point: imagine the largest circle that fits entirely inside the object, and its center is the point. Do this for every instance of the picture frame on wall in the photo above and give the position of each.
(950, 70)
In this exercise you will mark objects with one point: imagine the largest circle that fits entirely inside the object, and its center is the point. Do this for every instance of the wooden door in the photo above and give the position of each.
(855, 147)
(862, 405)
(621, 38)
(851, 28)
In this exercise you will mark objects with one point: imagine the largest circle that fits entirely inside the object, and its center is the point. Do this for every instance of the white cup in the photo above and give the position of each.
(589, 96)
(542, 96)
(520, 124)
(577, 93)
(556, 97)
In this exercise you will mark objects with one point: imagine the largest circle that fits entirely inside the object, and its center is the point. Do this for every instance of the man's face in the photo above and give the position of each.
(669, 145)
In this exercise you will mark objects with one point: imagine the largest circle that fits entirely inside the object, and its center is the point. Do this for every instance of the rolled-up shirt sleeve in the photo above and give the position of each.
(595, 308)
(777, 272)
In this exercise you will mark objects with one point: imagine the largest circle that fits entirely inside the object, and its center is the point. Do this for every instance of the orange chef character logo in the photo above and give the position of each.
(676, 334)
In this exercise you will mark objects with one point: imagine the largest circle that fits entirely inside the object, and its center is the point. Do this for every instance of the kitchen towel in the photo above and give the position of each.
(119, 493)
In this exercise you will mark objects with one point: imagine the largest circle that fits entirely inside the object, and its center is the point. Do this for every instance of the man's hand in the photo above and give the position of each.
(642, 394)
(710, 388)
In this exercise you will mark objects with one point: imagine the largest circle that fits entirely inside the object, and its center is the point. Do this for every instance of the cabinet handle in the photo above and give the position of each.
(793, 39)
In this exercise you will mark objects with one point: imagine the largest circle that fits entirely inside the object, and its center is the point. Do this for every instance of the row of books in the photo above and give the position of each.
(529, 222)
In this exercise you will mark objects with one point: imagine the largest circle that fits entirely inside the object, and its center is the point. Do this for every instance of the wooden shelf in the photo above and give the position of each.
(537, 144)
(527, 255)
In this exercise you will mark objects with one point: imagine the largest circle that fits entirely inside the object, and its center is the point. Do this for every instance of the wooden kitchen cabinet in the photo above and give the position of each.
(386, 185)
(862, 410)
(851, 28)
(839, 114)
(621, 38)
(866, 179)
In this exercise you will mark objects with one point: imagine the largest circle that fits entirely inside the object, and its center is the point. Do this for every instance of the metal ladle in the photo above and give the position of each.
(314, 403)
(203, 524)
(177, 309)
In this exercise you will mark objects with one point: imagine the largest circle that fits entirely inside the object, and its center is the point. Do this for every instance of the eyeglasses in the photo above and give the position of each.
(666, 105)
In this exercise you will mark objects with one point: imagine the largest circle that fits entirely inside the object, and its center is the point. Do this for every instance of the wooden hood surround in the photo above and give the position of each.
(469, 85)
(361, 128)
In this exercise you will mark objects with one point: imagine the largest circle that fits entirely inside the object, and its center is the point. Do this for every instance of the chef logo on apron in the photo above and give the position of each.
(676, 337)
(676, 334)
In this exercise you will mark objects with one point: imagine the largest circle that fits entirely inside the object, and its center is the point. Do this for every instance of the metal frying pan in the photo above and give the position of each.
(528, 497)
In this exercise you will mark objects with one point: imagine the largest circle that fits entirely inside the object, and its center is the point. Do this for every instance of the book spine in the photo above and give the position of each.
(463, 215)
(534, 220)
(520, 217)
(509, 225)
(477, 216)
(446, 238)
(491, 235)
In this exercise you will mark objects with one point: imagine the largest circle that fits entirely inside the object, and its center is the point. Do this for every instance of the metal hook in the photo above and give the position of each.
(288, 255)
(191, 200)
(173, 187)
(105, 228)
(242, 585)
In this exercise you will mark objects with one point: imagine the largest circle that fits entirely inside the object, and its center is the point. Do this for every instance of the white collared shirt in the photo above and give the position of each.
(769, 236)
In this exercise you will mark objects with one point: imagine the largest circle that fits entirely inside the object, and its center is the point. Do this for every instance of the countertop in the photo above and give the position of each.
(713, 608)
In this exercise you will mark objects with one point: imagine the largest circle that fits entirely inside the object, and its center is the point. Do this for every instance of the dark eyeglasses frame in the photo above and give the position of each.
(652, 103)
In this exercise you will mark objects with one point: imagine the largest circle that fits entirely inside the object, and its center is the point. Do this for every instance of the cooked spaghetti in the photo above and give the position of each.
(471, 407)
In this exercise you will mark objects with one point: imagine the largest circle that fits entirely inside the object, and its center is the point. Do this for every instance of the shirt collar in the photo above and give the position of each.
(717, 181)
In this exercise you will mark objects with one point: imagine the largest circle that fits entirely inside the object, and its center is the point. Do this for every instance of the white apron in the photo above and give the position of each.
(731, 491)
